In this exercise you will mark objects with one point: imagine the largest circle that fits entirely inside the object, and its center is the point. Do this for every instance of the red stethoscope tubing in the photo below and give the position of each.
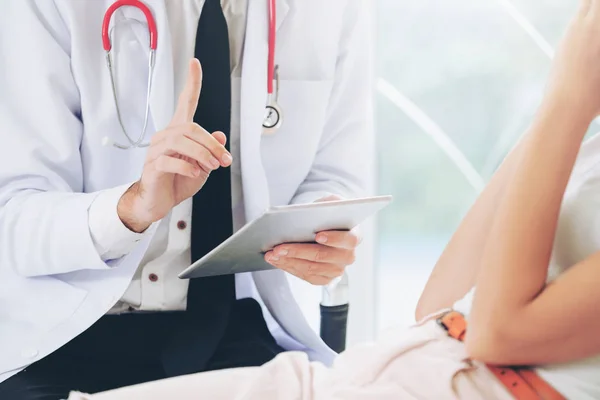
(272, 37)
(133, 3)
(272, 108)
(106, 43)
(154, 33)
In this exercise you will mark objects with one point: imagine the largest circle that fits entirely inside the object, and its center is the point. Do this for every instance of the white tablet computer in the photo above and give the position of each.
(244, 251)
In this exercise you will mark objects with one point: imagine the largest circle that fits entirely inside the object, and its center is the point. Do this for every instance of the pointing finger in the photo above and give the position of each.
(188, 99)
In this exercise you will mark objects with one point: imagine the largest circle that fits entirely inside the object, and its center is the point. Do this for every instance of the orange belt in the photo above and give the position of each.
(522, 383)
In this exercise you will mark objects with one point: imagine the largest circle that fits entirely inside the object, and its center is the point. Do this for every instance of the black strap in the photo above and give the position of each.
(334, 321)
(209, 299)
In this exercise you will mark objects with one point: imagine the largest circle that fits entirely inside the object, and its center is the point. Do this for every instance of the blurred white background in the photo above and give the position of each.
(457, 83)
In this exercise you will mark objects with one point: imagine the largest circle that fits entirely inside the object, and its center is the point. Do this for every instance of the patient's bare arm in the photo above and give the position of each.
(456, 270)
(516, 318)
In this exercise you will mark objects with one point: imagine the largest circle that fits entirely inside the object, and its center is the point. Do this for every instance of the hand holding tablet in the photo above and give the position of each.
(245, 250)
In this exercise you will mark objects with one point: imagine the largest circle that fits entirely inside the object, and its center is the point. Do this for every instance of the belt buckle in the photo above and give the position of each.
(440, 320)
(454, 323)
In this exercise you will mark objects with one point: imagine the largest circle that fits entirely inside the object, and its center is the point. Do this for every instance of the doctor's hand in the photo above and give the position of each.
(318, 263)
(178, 163)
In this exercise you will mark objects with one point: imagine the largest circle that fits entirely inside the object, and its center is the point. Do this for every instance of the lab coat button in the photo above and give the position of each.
(29, 353)
(181, 225)
(153, 277)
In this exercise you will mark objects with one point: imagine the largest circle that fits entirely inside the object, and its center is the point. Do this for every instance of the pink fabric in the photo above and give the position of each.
(419, 363)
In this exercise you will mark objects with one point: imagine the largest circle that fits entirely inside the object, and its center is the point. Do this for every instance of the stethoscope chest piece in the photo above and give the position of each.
(273, 119)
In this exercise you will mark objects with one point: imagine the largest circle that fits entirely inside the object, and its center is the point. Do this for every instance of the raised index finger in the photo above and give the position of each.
(188, 99)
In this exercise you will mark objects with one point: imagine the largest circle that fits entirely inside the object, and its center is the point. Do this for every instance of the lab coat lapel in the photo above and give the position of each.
(273, 286)
(253, 100)
(283, 8)
(162, 95)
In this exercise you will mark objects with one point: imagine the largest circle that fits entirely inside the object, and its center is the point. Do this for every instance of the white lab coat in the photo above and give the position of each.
(56, 105)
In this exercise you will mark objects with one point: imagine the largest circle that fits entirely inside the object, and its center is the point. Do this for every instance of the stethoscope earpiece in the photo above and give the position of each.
(106, 43)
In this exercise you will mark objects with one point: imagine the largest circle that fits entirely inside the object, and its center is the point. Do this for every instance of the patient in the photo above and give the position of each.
(530, 245)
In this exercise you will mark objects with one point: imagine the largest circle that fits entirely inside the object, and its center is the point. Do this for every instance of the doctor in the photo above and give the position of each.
(99, 213)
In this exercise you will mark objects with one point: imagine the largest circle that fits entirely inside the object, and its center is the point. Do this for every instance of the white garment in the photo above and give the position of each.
(422, 362)
(577, 237)
(53, 283)
(155, 286)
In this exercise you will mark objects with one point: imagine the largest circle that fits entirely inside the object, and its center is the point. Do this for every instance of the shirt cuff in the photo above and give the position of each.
(111, 237)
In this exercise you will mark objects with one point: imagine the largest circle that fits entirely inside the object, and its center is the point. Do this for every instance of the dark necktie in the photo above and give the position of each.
(209, 299)
(211, 213)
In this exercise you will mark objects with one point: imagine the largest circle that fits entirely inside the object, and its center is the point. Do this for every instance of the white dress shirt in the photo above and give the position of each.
(155, 286)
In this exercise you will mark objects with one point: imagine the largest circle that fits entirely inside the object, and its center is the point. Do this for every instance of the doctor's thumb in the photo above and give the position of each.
(188, 99)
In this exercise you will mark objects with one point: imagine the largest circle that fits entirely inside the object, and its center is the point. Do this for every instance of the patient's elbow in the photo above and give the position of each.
(480, 349)
(488, 345)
